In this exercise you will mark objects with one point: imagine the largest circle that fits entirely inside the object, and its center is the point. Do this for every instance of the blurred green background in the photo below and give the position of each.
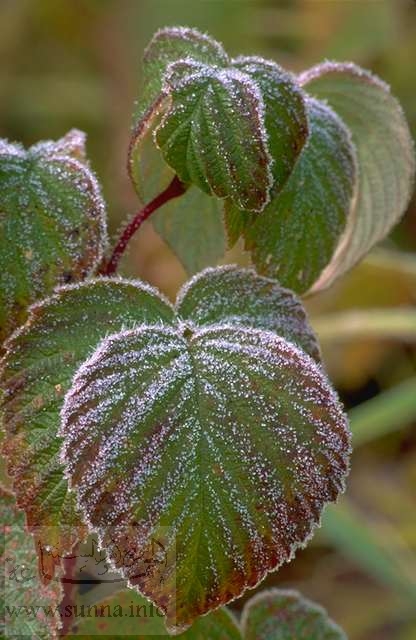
(76, 63)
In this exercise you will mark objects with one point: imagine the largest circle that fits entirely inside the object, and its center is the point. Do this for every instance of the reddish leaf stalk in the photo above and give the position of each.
(175, 189)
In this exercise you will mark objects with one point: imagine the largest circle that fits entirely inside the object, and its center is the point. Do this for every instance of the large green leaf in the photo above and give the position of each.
(385, 156)
(213, 133)
(28, 608)
(40, 362)
(286, 615)
(224, 438)
(52, 223)
(295, 236)
(60, 333)
(128, 613)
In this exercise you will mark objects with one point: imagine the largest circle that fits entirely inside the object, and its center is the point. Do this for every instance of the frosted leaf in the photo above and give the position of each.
(155, 386)
(296, 235)
(191, 225)
(285, 113)
(229, 436)
(52, 223)
(213, 133)
(22, 590)
(234, 128)
(385, 156)
(230, 295)
(72, 144)
(285, 615)
(41, 359)
(218, 625)
(167, 45)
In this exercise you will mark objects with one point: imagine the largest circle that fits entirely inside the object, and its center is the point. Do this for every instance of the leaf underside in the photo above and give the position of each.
(193, 227)
(385, 155)
(150, 428)
(52, 223)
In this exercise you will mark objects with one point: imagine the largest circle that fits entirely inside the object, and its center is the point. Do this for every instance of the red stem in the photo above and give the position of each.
(176, 188)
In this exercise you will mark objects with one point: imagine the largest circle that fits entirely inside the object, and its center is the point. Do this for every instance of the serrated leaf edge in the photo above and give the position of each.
(179, 32)
(222, 75)
(297, 545)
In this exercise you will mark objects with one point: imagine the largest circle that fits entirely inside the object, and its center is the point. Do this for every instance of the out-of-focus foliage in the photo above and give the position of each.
(75, 63)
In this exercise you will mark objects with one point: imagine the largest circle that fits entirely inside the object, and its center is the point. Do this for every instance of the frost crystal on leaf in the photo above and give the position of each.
(213, 426)
(52, 223)
(213, 133)
(231, 295)
(233, 128)
(285, 113)
(296, 235)
(36, 372)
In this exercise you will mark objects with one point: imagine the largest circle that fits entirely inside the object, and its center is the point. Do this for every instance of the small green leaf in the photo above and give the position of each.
(22, 592)
(131, 614)
(296, 235)
(385, 156)
(234, 128)
(285, 113)
(213, 133)
(150, 428)
(38, 367)
(167, 45)
(52, 223)
(229, 295)
(286, 615)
